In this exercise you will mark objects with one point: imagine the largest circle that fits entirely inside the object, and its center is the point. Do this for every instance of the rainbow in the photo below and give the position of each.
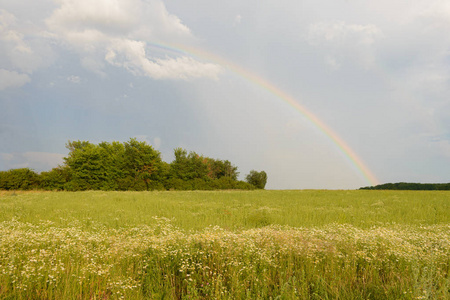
(341, 145)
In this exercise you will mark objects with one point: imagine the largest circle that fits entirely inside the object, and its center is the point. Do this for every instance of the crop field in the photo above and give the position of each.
(225, 245)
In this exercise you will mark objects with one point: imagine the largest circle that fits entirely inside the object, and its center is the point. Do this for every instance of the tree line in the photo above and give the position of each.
(131, 166)
(410, 186)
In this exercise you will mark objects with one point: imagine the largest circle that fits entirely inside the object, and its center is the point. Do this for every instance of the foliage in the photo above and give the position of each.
(19, 179)
(132, 165)
(257, 179)
(55, 179)
(410, 186)
(129, 166)
(143, 163)
(88, 164)
(194, 166)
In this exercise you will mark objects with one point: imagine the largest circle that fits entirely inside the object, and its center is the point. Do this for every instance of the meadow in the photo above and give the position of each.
(225, 245)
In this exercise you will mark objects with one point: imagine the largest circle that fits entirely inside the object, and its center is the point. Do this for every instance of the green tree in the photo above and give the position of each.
(19, 179)
(224, 168)
(55, 179)
(88, 166)
(114, 162)
(132, 165)
(194, 166)
(142, 164)
(188, 166)
(257, 179)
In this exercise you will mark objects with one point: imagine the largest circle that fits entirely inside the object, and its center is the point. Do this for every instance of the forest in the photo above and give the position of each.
(131, 166)
(410, 186)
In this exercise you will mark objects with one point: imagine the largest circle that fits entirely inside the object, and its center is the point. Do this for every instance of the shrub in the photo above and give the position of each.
(19, 179)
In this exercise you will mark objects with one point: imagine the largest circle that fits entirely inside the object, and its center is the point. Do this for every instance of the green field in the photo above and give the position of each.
(225, 245)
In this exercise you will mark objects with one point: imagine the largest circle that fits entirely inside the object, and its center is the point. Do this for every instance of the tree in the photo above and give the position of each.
(194, 166)
(142, 163)
(189, 166)
(19, 179)
(132, 165)
(88, 166)
(55, 179)
(225, 169)
(257, 179)
(114, 162)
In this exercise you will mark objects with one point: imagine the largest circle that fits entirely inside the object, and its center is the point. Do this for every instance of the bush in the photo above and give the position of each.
(54, 179)
(257, 179)
(19, 179)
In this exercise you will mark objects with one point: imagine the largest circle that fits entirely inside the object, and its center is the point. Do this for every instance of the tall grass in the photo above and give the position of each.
(233, 210)
(225, 245)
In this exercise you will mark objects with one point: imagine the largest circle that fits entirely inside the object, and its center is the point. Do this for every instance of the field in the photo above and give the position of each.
(225, 245)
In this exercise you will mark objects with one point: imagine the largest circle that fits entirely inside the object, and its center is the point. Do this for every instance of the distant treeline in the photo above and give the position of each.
(134, 166)
(410, 186)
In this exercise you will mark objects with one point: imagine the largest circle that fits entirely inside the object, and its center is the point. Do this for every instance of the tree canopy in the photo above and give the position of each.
(410, 186)
(132, 165)
(257, 179)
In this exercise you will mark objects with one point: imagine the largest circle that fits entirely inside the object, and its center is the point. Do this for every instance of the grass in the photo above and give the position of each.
(225, 245)
(233, 210)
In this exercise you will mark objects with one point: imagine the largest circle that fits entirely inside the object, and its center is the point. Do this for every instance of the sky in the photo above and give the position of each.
(320, 94)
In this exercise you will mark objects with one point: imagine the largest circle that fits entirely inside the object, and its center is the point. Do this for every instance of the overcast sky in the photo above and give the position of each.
(375, 72)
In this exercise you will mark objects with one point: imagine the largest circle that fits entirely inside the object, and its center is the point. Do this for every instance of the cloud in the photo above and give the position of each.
(157, 142)
(39, 161)
(237, 20)
(94, 65)
(332, 63)
(342, 33)
(118, 32)
(18, 59)
(144, 138)
(12, 79)
(341, 41)
(14, 49)
(415, 59)
(74, 79)
(436, 14)
(131, 55)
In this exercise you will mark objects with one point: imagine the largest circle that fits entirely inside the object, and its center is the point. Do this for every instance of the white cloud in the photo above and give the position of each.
(342, 33)
(444, 148)
(22, 49)
(74, 79)
(39, 161)
(144, 138)
(117, 32)
(131, 55)
(436, 14)
(332, 63)
(12, 79)
(6, 156)
(341, 41)
(94, 65)
(103, 15)
(16, 52)
(237, 20)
